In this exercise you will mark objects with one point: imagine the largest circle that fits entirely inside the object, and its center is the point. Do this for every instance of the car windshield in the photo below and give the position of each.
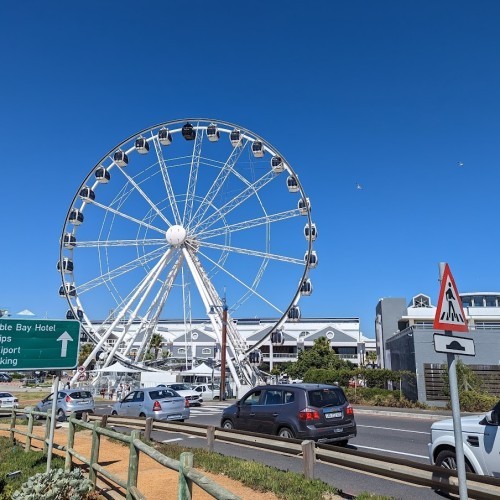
(180, 387)
(162, 394)
(326, 397)
(80, 395)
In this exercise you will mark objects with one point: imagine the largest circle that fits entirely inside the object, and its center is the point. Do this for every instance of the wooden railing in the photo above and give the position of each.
(187, 474)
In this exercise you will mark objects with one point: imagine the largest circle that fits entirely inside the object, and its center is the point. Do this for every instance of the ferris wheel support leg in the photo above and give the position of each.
(146, 286)
(206, 295)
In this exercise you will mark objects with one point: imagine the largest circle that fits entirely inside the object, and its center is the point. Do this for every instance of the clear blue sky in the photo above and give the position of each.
(387, 94)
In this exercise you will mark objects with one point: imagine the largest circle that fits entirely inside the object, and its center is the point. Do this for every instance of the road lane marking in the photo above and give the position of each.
(392, 429)
(390, 451)
(172, 440)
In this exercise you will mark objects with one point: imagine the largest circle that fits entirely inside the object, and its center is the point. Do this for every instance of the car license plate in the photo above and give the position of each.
(174, 417)
(337, 414)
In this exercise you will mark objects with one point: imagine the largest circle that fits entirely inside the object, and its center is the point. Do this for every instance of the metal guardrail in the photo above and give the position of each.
(438, 478)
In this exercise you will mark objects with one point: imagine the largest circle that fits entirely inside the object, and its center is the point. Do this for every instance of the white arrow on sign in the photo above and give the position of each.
(64, 345)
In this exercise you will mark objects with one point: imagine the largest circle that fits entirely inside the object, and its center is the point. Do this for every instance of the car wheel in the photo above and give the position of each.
(114, 413)
(142, 415)
(342, 443)
(61, 417)
(227, 424)
(448, 460)
(286, 432)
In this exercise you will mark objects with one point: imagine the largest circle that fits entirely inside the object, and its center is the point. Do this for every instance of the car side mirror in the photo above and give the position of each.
(492, 417)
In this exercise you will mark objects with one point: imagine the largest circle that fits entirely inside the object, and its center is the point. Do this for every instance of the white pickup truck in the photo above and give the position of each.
(481, 438)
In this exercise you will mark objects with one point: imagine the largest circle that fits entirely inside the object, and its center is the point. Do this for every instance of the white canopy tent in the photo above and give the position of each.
(202, 370)
(117, 368)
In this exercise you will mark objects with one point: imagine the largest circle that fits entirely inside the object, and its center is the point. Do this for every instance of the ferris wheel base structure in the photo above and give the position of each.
(182, 216)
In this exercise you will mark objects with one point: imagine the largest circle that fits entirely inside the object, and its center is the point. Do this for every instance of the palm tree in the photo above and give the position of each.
(155, 344)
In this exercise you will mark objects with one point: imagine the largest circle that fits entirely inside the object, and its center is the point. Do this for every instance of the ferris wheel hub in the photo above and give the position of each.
(176, 235)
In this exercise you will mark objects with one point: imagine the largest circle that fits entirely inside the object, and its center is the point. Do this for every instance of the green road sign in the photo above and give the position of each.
(31, 344)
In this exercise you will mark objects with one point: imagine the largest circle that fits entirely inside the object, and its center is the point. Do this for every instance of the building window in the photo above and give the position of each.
(491, 301)
(206, 350)
(181, 350)
(478, 300)
(466, 301)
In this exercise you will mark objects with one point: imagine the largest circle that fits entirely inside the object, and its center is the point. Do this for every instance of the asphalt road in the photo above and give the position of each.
(403, 435)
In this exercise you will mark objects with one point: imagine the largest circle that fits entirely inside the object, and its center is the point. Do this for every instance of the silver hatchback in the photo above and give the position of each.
(69, 401)
(159, 403)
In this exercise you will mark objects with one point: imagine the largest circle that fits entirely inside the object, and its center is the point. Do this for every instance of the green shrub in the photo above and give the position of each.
(475, 401)
(55, 484)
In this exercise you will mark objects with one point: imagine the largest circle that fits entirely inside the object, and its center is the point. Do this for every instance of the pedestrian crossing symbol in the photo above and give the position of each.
(449, 313)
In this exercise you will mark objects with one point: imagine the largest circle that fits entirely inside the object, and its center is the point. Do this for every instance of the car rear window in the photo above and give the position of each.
(80, 395)
(326, 397)
(162, 394)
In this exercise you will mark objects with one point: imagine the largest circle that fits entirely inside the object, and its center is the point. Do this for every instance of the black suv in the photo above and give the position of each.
(302, 411)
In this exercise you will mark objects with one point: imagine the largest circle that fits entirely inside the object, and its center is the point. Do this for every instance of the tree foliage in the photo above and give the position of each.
(321, 355)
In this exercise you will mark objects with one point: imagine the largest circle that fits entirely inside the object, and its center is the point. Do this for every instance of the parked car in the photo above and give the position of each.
(160, 403)
(208, 392)
(186, 391)
(5, 377)
(69, 401)
(304, 411)
(8, 400)
(481, 443)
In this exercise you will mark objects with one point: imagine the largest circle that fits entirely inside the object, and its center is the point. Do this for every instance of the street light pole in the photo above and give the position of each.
(222, 394)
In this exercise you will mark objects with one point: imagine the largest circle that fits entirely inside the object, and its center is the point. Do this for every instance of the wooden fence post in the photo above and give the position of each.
(185, 484)
(48, 420)
(210, 437)
(12, 434)
(309, 455)
(133, 464)
(94, 454)
(70, 444)
(104, 420)
(148, 429)
(27, 446)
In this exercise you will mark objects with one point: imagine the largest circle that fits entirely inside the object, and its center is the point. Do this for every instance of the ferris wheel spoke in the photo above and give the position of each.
(193, 176)
(128, 217)
(235, 278)
(120, 243)
(249, 191)
(255, 253)
(157, 305)
(125, 268)
(141, 294)
(145, 197)
(214, 189)
(166, 179)
(239, 226)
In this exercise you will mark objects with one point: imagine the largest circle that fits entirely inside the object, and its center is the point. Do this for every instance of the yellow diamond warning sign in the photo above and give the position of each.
(449, 313)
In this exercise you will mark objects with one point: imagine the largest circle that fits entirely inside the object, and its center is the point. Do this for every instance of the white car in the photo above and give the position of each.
(481, 441)
(208, 392)
(7, 400)
(184, 390)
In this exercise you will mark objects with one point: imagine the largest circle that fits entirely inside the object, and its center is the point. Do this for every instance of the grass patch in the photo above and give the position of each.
(257, 476)
(14, 458)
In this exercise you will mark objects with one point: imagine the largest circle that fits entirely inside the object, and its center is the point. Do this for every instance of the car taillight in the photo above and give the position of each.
(349, 410)
(308, 414)
(156, 406)
(67, 399)
(186, 403)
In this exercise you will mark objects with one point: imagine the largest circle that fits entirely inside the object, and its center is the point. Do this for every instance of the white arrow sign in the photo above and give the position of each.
(64, 343)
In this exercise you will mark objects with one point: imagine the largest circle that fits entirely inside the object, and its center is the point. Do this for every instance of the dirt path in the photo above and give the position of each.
(154, 480)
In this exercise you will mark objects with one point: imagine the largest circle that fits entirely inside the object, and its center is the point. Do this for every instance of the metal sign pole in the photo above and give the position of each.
(455, 409)
(55, 390)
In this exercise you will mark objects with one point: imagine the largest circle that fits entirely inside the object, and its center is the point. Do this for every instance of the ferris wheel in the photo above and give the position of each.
(174, 221)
